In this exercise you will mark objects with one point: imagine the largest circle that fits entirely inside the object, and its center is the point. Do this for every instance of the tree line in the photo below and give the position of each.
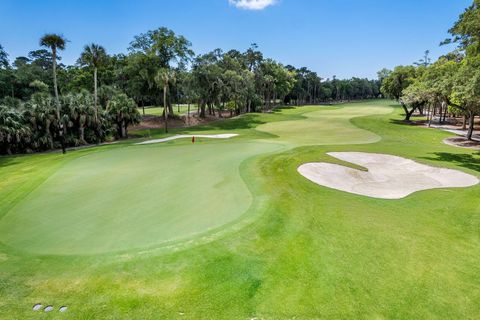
(448, 86)
(45, 104)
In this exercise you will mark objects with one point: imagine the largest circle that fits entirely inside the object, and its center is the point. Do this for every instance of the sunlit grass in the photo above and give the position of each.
(308, 252)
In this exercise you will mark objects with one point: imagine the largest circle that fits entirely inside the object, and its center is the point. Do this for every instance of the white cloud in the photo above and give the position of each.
(252, 4)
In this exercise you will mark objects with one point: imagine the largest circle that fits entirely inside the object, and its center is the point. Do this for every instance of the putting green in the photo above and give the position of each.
(132, 197)
(326, 127)
(135, 197)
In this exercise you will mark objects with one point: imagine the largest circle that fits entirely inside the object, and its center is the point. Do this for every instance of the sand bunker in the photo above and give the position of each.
(183, 136)
(388, 177)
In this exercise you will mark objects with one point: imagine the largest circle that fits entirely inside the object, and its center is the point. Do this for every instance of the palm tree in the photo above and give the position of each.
(124, 111)
(163, 78)
(13, 130)
(55, 42)
(81, 112)
(40, 112)
(95, 56)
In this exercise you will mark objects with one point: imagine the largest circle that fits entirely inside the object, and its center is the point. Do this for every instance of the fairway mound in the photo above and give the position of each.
(387, 177)
(183, 136)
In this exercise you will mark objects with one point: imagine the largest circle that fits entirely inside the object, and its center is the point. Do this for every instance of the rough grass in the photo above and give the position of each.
(310, 253)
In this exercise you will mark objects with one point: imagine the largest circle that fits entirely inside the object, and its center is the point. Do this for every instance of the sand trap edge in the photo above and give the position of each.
(381, 181)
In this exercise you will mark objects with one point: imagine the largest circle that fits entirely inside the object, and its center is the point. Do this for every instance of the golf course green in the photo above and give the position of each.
(132, 197)
(228, 229)
(319, 127)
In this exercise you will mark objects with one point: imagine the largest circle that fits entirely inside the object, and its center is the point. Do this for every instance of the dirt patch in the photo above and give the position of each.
(150, 122)
(462, 142)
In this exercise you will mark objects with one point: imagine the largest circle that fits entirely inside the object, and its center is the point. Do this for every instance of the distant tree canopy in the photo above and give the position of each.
(46, 104)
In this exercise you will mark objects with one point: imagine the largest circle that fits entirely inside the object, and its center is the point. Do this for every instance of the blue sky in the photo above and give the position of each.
(332, 37)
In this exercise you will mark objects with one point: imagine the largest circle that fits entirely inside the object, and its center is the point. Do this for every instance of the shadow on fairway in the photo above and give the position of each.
(470, 161)
(402, 122)
(6, 161)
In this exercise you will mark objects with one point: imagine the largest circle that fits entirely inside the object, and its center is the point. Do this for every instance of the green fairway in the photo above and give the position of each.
(228, 229)
(326, 127)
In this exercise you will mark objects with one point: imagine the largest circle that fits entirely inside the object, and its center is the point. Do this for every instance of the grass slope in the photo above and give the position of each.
(310, 253)
(327, 127)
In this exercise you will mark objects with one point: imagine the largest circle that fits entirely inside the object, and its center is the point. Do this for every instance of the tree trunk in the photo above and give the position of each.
(81, 130)
(95, 95)
(165, 107)
(408, 114)
(120, 129)
(122, 125)
(57, 100)
(464, 122)
(202, 110)
(170, 107)
(445, 112)
(440, 113)
(421, 111)
(430, 115)
(471, 123)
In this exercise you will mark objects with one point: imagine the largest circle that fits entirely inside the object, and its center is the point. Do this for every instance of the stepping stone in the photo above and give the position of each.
(48, 308)
(63, 309)
(37, 307)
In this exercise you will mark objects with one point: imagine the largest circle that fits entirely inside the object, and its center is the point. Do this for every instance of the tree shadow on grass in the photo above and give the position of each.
(470, 161)
(404, 122)
(8, 160)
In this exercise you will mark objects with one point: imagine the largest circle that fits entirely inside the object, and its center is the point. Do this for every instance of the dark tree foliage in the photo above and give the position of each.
(98, 97)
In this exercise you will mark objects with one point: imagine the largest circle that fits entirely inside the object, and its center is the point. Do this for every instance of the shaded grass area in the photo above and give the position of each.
(470, 161)
(311, 253)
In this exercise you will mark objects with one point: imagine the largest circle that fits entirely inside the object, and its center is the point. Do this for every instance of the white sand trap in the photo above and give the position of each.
(63, 309)
(388, 177)
(183, 136)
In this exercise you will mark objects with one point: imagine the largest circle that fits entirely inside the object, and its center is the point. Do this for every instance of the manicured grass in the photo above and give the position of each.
(326, 126)
(158, 111)
(132, 197)
(301, 251)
